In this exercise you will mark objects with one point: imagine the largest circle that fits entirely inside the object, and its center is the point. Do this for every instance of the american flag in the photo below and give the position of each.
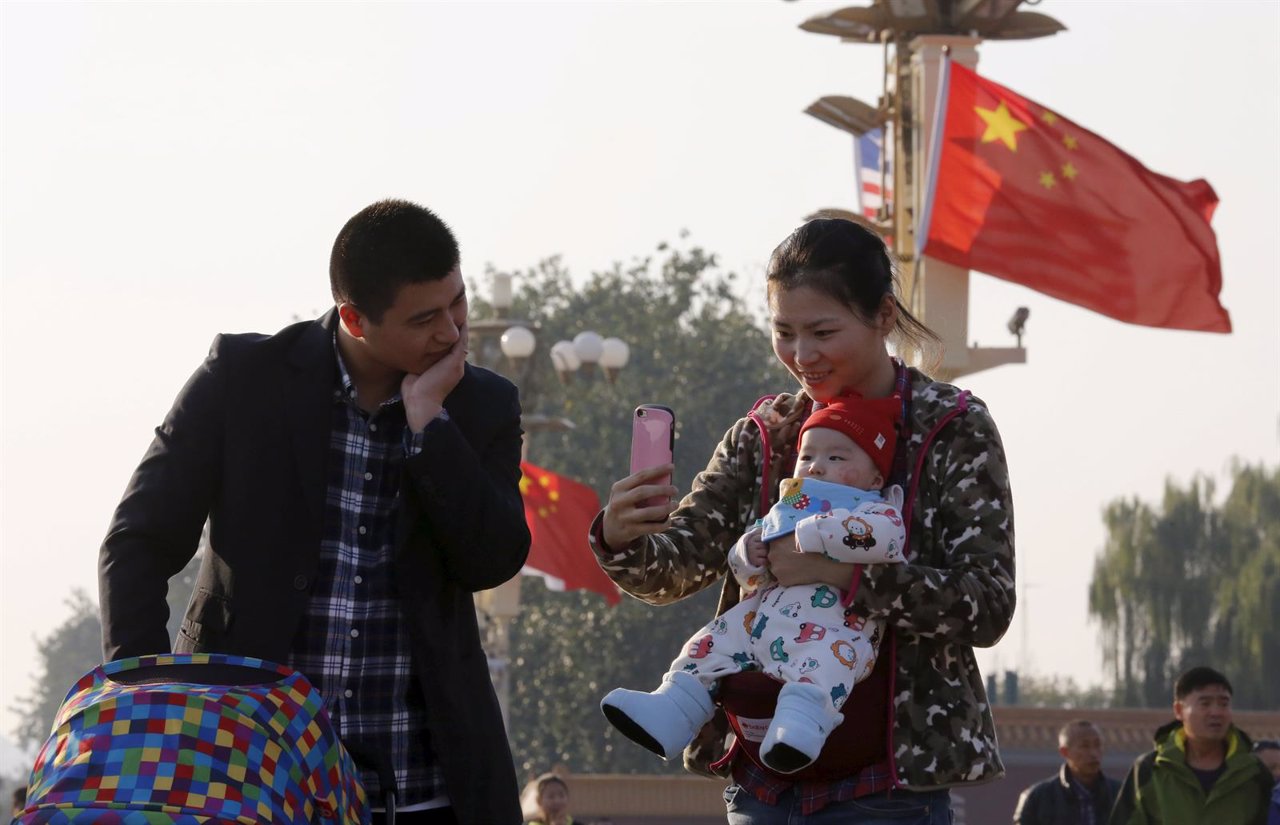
(872, 191)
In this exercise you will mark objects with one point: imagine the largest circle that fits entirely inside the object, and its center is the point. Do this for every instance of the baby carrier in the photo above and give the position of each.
(748, 699)
(179, 739)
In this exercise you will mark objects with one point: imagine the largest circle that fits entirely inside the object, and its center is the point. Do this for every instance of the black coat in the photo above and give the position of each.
(245, 445)
(1053, 802)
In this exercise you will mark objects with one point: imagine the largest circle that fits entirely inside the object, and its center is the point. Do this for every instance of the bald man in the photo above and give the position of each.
(1078, 794)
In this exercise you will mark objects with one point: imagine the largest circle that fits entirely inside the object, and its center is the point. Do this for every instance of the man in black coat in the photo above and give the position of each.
(360, 481)
(1079, 794)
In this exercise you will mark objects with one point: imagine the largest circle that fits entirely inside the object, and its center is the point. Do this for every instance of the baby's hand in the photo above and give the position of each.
(757, 550)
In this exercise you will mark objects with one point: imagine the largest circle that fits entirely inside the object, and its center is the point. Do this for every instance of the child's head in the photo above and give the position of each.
(850, 441)
(553, 794)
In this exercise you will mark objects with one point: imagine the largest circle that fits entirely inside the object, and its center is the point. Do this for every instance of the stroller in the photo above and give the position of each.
(179, 739)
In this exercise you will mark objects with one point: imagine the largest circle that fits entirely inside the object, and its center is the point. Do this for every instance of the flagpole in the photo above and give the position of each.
(921, 229)
(937, 293)
(885, 214)
(935, 145)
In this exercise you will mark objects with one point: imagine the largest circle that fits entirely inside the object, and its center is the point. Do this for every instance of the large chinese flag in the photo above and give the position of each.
(559, 511)
(1022, 193)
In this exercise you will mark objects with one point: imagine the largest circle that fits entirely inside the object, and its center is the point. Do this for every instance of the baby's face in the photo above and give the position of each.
(830, 455)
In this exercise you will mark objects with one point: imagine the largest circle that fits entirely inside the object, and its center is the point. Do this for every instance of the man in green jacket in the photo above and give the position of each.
(1201, 771)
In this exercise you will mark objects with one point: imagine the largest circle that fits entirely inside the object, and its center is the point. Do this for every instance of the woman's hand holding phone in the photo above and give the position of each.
(640, 503)
(629, 513)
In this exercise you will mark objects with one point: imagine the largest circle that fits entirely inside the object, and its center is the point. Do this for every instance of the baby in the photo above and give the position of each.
(801, 635)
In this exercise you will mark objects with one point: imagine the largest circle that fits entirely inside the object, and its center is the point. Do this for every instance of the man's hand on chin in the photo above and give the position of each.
(424, 394)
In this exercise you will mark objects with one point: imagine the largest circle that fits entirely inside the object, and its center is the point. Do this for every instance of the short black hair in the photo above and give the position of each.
(383, 247)
(1197, 678)
(849, 262)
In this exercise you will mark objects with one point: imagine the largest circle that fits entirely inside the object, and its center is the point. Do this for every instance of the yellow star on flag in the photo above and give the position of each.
(1069, 172)
(1047, 180)
(1069, 141)
(1049, 117)
(1001, 126)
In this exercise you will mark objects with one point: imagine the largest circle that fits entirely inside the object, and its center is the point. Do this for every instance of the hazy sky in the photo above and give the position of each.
(172, 170)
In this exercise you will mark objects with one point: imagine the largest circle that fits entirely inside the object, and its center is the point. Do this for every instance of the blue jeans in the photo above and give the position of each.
(897, 807)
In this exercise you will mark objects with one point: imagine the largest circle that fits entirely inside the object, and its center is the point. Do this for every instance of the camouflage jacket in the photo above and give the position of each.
(956, 592)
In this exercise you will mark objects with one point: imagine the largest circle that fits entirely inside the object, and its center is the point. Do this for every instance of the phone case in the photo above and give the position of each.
(653, 435)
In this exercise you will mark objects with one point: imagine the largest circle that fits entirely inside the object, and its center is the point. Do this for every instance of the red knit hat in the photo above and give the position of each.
(870, 422)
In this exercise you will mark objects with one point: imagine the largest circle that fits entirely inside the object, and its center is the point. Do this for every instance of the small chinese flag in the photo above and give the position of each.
(1022, 193)
(559, 511)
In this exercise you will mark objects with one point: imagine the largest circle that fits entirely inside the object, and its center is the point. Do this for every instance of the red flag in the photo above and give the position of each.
(1022, 193)
(559, 511)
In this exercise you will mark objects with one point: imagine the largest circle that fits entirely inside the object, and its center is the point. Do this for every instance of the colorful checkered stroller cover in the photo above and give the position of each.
(151, 740)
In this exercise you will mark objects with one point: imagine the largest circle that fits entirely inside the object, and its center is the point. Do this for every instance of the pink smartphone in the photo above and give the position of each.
(653, 438)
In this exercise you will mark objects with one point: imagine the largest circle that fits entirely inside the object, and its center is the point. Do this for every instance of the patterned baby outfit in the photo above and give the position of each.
(803, 633)
(172, 751)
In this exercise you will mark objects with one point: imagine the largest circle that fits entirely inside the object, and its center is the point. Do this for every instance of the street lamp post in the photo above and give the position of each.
(509, 346)
(920, 30)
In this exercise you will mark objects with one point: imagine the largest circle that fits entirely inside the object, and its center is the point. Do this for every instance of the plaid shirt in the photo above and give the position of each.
(814, 796)
(1088, 815)
(352, 643)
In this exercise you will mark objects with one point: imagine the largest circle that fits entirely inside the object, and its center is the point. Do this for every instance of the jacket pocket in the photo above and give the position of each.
(206, 622)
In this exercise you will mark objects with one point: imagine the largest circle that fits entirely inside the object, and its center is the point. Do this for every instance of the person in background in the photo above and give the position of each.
(551, 801)
(1201, 770)
(1268, 751)
(19, 801)
(1079, 794)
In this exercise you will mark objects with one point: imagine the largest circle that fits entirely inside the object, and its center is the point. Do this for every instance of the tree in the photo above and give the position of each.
(694, 347)
(568, 650)
(73, 649)
(1246, 634)
(1192, 583)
